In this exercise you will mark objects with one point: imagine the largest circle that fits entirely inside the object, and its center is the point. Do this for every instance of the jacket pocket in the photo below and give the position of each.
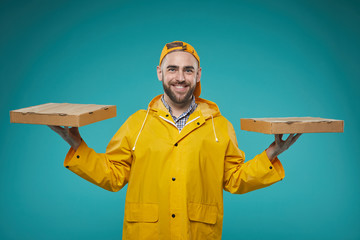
(203, 219)
(206, 213)
(141, 221)
(142, 212)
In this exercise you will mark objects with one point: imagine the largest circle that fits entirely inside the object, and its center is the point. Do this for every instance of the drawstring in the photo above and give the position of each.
(216, 139)
(141, 129)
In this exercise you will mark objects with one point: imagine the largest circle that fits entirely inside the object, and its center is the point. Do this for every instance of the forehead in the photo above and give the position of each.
(180, 58)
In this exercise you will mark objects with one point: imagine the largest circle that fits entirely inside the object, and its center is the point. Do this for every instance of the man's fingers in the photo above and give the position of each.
(278, 138)
(74, 130)
(56, 128)
(62, 131)
(52, 127)
(295, 138)
(292, 139)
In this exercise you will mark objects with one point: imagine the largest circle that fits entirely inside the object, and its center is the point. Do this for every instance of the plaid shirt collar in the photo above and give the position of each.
(182, 119)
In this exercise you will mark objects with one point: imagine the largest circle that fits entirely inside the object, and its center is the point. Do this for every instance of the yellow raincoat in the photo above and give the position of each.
(175, 179)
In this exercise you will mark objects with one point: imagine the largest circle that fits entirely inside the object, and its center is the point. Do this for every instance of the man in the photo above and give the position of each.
(177, 157)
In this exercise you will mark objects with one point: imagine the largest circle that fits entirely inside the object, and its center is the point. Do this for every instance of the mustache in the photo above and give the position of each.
(177, 82)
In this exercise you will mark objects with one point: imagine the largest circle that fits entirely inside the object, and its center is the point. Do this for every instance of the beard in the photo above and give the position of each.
(178, 99)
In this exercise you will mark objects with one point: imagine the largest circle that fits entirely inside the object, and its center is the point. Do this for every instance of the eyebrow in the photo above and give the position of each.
(189, 67)
(172, 66)
(175, 66)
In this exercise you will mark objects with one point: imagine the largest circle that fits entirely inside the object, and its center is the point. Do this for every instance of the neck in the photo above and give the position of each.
(177, 108)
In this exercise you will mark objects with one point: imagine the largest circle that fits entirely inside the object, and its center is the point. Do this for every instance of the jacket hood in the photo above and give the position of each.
(208, 109)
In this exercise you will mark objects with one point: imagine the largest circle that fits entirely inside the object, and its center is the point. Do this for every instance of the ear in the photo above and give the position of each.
(159, 73)
(198, 75)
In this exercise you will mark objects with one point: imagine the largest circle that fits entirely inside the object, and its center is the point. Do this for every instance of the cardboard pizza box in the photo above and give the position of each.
(291, 125)
(63, 114)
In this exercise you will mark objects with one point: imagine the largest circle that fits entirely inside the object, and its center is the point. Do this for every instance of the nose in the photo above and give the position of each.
(180, 76)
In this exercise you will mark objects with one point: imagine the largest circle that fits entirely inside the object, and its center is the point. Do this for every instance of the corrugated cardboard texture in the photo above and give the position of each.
(291, 125)
(63, 114)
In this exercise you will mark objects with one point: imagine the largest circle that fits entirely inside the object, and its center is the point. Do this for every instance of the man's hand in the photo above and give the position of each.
(279, 145)
(70, 135)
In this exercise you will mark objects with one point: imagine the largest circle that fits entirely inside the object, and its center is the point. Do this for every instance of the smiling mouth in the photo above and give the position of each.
(179, 86)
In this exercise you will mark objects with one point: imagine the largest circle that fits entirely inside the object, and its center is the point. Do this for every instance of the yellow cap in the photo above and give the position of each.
(181, 46)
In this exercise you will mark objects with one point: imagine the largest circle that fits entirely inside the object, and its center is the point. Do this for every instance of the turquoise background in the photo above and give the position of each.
(259, 59)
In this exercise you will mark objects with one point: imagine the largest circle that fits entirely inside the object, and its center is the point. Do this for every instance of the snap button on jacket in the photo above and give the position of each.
(205, 161)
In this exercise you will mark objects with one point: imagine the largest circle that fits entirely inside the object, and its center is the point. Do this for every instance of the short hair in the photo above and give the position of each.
(164, 59)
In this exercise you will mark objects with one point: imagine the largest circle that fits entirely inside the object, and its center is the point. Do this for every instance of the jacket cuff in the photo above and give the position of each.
(73, 155)
(274, 165)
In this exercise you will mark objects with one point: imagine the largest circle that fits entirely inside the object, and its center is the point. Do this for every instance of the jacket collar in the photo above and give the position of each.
(205, 107)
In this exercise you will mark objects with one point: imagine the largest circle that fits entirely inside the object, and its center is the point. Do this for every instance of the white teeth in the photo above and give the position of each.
(179, 86)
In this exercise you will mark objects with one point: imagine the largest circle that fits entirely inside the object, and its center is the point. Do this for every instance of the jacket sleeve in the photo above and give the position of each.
(242, 177)
(108, 170)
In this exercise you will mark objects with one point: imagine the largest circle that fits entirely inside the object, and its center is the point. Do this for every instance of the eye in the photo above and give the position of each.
(171, 69)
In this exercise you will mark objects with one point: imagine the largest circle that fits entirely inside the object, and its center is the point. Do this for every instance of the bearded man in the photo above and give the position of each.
(177, 157)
